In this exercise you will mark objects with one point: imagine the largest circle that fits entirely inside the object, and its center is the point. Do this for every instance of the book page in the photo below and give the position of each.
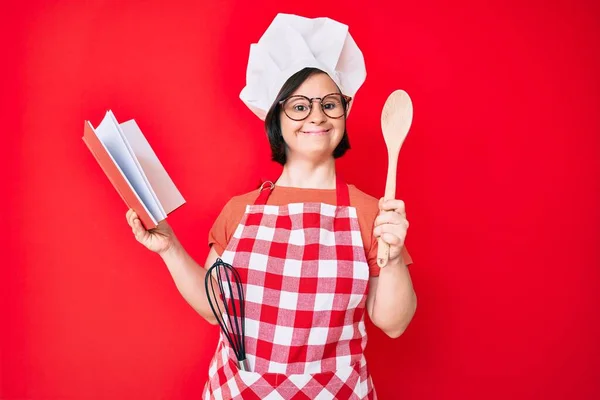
(166, 191)
(109, 135)
(137, 163)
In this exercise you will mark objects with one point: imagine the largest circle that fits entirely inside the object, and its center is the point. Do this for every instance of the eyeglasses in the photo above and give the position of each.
(298, 107)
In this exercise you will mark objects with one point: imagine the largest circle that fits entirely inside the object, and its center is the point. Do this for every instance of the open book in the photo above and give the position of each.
(133, 168)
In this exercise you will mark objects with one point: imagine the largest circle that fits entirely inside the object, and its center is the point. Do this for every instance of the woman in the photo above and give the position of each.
(306, 249)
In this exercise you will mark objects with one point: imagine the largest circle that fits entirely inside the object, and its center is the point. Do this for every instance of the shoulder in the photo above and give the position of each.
(233, 210)
(238, 203)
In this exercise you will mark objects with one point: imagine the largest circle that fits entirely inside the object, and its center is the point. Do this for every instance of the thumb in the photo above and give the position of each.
(140, 233)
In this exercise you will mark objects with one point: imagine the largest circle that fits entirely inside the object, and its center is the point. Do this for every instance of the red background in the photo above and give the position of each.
(500, 174)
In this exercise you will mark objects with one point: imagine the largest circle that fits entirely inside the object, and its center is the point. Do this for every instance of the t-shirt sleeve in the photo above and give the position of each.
(219, 234)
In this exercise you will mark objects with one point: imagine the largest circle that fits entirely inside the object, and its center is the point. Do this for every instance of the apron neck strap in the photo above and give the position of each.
(341, 191)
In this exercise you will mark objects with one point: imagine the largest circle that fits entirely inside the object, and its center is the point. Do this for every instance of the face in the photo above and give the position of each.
(317, 136)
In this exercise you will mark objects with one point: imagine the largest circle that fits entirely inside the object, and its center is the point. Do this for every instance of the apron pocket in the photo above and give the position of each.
(343, 383)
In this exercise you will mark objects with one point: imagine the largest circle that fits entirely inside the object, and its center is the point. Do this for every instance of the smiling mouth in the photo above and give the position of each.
(316, 133)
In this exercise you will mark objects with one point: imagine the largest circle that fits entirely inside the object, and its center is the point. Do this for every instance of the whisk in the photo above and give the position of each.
(231, 318)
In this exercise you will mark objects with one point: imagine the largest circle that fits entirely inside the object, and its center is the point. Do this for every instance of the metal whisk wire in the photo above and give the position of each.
(228, 279)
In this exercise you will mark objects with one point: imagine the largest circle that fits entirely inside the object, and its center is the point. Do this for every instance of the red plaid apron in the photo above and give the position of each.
(305, 278)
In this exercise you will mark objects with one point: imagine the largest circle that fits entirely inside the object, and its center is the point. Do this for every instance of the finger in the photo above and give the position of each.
(395, 229)
(139, 231)
(131, 216)
(135, 223)
(388, 217)
(134, 227)
(392, 239)
(393, 205)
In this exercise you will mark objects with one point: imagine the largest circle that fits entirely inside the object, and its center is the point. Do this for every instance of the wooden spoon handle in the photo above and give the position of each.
(383, 249)
(383, 253)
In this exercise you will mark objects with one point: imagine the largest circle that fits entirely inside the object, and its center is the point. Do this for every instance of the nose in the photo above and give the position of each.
(316, 114)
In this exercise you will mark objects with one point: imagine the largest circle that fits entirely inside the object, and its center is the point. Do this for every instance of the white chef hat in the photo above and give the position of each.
(292, 43)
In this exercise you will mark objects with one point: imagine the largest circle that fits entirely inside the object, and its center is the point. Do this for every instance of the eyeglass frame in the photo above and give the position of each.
(347, 99)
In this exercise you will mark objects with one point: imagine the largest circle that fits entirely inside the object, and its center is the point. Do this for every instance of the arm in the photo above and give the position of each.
(189, 278)
(392, 302)
(187, 274)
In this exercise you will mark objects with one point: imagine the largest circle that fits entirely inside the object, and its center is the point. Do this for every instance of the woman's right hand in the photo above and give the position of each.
(159, 239)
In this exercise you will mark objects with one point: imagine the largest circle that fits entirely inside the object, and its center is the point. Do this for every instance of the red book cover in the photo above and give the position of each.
(115, 176)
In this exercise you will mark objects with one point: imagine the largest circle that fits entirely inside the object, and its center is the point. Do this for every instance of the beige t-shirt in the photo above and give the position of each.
(367, 209)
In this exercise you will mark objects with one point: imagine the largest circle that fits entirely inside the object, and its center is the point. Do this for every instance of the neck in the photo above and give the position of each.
(308, 175)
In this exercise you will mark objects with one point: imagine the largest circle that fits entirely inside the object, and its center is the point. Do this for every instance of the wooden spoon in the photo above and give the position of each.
(396, 119)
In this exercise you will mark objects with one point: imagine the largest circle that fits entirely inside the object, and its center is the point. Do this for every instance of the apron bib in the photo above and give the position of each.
(305, 279)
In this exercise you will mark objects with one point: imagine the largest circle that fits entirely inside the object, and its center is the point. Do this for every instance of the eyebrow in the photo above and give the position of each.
(314, 97)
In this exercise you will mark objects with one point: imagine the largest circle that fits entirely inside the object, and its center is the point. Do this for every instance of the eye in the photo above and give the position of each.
(332, 102)
(300, 107)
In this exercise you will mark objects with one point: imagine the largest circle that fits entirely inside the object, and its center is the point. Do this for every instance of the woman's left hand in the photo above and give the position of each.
(391, 224)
